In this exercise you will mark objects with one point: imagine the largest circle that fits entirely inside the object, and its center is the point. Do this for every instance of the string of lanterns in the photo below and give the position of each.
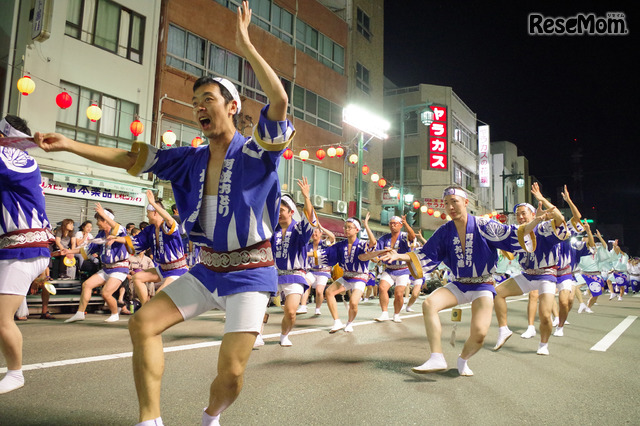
(64, 100)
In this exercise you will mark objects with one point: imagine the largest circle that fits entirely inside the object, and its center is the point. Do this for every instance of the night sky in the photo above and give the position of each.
(555, 97)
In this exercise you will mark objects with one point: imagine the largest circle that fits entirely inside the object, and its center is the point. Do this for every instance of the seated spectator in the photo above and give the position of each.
(83, 237)
(65, 240)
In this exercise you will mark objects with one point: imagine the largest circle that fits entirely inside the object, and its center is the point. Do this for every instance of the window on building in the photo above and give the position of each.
(410, 124)
(464, 136)
(112, 130)
(391, 170)
(362, 78)
(463, 177)
(363, 24)
(107, 25)
(324, 182)
(317, 110)
(320, 47)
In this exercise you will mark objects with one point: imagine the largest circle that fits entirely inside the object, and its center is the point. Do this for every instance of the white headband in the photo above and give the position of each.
(355, 222)
(150, 208)
(8, 130)
(455, 191)
(527, 205)
(109, 214)
(395, 219)
(232, 89)
(286, 198)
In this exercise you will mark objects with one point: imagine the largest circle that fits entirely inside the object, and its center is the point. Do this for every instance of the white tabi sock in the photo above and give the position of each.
(208, 420)
(11, 381)
(153, 422)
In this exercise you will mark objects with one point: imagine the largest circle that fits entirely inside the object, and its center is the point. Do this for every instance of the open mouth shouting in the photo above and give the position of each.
(205, 123)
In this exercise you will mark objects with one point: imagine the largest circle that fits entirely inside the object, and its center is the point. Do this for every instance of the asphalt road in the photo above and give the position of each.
(80, 373)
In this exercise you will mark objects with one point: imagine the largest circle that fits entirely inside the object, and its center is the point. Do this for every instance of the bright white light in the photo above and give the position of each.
(393, 192)
(408, 198)
(365, 121)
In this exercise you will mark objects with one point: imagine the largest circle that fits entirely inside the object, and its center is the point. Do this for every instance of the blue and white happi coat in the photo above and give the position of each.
(402, 245)
(25, 232)
(313, 264)
(339, 253)
(290, 251)
(114, 257)
(570, 252)
(542, 262)
(166, 245)
(473, 268)
(248, 197)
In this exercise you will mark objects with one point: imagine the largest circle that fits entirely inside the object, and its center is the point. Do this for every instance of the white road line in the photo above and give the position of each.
(98, 358)
(613, 335)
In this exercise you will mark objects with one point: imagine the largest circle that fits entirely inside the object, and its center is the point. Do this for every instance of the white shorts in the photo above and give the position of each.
(565, 285)
(16, 275)
(543, 286)
(398, 280)
(120, 276)
(316, 280)
(355, 285)
(245, 311)
(469, 296)
(291, 288)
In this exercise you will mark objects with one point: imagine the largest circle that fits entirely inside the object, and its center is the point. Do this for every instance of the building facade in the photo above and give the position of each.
(98, 51)
(437, 155)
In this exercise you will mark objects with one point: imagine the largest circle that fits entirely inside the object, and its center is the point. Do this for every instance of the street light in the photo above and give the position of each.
(426, 117)
(519, 183)
(365, 122)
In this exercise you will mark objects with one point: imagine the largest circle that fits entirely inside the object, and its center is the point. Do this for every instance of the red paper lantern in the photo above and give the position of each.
(196, 142)
(64, 100)
(430, 212)
(136, 127)
(288, 154)
(382, 182)
(365, 170)
(502, 218)
(416, 205)
(320, 154)
(339, 151)
(443, 216)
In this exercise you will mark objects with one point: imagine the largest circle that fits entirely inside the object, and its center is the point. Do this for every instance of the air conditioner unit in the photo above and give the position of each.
(317, 201)
(298, 197)
(340, 206)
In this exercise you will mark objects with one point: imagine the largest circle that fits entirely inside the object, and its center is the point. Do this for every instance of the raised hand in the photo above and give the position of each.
(242, 31)
(535, 191)
(304, 186)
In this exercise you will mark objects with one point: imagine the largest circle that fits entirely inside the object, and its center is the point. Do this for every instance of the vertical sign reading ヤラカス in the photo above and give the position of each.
(438, 152)
(484, 169)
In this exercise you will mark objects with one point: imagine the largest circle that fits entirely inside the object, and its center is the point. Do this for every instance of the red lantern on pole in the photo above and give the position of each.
(288, 154)
(365, 170)
(64, 100)
(339, 151)
(382, 182)
(320, 154)
(416, 205)
(136, 127)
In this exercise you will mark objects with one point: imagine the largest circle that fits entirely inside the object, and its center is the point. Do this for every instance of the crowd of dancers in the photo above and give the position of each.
(251, 247)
